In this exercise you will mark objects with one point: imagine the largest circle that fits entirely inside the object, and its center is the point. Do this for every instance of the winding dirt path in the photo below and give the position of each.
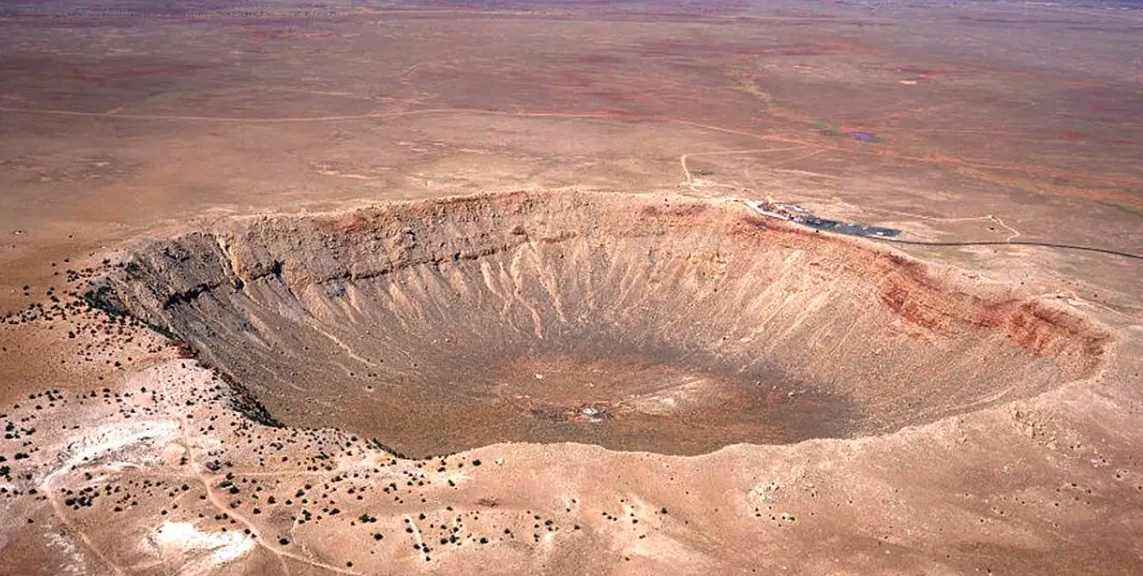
(255, 533)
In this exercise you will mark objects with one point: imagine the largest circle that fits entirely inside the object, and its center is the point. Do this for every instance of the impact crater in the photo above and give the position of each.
(671, 325)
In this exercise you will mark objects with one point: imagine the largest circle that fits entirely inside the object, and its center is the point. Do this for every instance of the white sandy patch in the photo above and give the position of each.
(117, 438)
(202, 551)
(77, 566)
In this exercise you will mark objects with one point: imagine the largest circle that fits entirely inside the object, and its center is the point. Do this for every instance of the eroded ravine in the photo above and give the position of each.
(676, 326)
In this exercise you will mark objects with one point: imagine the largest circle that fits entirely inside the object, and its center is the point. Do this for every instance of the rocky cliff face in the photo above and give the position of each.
(673, 325)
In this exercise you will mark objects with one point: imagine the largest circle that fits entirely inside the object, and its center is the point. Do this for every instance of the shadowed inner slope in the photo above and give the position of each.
(675, 326)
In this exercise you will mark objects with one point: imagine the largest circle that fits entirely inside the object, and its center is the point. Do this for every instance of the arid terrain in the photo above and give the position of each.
(480, 288)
